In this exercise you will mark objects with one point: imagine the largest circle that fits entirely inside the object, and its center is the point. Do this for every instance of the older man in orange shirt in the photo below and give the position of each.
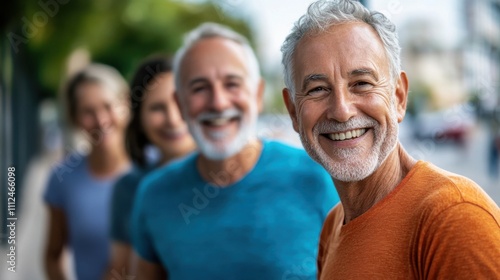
(399, 218)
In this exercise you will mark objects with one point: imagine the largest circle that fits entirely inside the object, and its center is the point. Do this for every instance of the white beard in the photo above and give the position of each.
(216, 146)
(355, 164)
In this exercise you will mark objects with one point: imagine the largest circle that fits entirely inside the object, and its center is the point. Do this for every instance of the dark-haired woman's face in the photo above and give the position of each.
(101, 113)
(161, 119)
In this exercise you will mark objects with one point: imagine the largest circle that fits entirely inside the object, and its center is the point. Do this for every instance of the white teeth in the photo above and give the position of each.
(219, 121)
(347, 135)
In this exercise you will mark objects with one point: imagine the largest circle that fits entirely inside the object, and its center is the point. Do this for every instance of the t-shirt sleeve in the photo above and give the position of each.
(53, 194)
(141, 238)
(462, 242)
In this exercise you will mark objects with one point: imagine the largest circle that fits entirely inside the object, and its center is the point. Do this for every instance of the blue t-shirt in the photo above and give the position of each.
(265, 226)
(85, 201)
(121, 203)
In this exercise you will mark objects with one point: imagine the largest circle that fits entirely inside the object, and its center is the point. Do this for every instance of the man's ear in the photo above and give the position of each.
(290, 106)
(260, 95)
(401, 95)
(178, 102)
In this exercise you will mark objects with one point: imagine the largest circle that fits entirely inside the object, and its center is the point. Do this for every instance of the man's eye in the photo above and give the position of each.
(232, 85)
(362, 85)
(317, 90)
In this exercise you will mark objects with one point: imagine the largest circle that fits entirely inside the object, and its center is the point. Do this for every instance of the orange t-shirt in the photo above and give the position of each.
(433, 225)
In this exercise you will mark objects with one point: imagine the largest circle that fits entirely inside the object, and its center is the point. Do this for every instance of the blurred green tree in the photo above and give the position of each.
(116, 32)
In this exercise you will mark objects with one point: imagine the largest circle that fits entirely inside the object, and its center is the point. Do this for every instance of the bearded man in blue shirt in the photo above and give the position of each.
(241, 207)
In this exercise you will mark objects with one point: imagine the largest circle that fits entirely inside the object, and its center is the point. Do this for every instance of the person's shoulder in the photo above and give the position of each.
(444, 189)
(135, 174)
(129, 181)
(64, 175)
(294, 155)
(74, 160)
(71, 167)
(277, 146)
(302, 164)
(176, 169)
(445, 184)
(299, 168)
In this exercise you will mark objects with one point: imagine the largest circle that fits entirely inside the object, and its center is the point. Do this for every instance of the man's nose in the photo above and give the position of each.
(219, 100)
(340, 105)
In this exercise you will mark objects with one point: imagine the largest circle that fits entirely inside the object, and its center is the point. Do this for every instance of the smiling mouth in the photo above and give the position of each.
(219, 121)
(348, 135)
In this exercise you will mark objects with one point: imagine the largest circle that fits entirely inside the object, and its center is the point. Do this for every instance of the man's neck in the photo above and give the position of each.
(223, 173)
(359, 197)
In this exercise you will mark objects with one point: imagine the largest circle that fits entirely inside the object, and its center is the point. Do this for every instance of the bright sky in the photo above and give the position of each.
(273, 19)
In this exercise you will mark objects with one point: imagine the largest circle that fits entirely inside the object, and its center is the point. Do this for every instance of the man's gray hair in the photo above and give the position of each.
(213, 30)
(326, 13)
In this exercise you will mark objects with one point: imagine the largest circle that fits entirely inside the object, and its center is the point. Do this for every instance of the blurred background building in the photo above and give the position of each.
(450, 50)
(481, 69)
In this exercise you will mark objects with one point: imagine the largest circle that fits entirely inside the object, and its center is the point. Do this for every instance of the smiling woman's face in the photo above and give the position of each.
(347, 107)
(101, 113)
(161, 119)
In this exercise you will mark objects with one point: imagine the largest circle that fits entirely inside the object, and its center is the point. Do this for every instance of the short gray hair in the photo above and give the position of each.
(323, 14)
(213, 30)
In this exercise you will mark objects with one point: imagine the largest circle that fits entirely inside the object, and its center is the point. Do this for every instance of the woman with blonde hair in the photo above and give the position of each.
(80, 187)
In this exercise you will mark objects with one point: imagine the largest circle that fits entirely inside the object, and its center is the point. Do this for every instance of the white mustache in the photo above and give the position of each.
(332, 126)
(228, 113)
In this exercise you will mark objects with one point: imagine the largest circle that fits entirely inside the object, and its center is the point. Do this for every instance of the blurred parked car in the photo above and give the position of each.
(451, 124)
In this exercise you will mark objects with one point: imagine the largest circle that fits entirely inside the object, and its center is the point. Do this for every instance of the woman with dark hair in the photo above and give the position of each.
(156, 120)
(80, 187)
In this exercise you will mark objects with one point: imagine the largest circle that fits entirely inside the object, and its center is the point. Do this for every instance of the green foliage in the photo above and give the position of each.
(116, 32)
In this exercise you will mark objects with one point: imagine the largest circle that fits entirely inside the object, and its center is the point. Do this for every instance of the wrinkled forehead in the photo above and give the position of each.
(213, 58)
(341, 48)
